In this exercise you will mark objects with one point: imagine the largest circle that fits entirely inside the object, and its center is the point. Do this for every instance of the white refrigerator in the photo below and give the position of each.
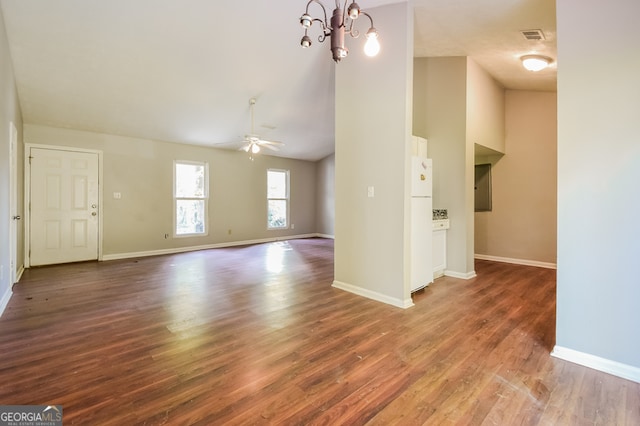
(421, 223)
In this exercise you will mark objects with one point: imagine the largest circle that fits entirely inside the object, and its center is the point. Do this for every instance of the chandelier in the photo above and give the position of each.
(336, 28)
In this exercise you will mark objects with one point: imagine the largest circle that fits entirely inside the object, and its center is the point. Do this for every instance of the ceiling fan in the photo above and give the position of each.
(252, 142)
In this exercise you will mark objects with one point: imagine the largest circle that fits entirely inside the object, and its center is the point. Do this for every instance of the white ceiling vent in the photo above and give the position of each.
(534, 35)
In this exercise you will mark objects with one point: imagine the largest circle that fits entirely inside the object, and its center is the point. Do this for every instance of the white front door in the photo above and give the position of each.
(64, 206)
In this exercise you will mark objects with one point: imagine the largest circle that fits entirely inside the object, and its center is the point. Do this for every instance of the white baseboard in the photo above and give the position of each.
(19, 273)
(5, 300)
(601, 364)
(525, 262)
(374, 295)
(461, 275)
(175, 250)
(331, 237)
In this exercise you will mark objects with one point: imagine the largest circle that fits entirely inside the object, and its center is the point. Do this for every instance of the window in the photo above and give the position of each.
(277, 199)
(191, 196)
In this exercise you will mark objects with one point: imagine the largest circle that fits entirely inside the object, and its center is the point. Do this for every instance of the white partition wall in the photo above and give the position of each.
(598, 295)
(373, 141)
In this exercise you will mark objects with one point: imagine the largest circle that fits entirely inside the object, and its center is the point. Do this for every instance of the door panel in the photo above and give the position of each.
(421, 245)
(64, 213)
(13, 201)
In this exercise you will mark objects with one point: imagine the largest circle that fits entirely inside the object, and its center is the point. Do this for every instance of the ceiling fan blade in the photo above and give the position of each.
(273, 143)
(238, 145)
(225, 144)
(272, 147)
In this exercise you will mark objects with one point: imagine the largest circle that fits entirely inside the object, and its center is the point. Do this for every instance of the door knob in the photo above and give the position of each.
(93, 213)
(17, 218)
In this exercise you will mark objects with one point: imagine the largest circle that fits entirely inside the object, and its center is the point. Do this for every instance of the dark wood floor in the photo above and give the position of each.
(257, 335)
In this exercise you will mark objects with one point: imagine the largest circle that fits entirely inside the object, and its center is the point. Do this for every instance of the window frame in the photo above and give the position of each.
(287, 199)
(205, 198)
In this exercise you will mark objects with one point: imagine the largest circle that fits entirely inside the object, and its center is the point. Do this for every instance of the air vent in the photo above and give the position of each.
(533, 34)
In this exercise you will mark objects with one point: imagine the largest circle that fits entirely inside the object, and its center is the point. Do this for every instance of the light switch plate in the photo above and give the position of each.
(370, 192)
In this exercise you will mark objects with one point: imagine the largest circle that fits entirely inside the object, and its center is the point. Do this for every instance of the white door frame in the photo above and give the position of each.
(27, 193)
(13, 203)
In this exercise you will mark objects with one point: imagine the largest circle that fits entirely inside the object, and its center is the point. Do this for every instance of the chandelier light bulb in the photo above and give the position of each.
(372, 46)
(255, 148)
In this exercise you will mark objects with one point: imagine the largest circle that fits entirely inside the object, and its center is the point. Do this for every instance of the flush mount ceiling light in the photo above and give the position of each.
(535, 62)
(336, 28)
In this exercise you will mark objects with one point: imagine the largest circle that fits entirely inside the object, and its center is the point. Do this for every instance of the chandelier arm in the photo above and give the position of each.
(325, 30)
(324, 11)
(368, 16)
(344, 8)
(322, 23)
(354, 32)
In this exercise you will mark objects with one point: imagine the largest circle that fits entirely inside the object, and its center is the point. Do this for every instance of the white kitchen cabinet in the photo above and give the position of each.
(439, 242)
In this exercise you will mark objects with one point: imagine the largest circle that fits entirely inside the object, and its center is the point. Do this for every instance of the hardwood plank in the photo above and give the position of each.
(257, 335)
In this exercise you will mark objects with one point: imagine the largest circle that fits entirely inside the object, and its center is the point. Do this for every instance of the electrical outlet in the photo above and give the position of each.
(293, 226)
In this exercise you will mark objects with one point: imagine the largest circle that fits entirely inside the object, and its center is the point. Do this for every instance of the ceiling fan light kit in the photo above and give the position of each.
(336, 28)
(253, 144)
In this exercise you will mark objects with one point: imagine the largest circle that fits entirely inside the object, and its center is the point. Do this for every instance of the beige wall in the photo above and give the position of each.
(440, 115)
(598, 291)
(485, 109)
(522, 223)
(373, 140)
(325, 200)
(9, 112)
(142, 171)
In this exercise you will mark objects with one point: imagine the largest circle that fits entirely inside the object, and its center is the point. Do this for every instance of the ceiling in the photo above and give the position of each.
(185, 71)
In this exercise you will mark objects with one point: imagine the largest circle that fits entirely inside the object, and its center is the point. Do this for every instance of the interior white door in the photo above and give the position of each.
(64, 206)
(13, 202)
(421, 245)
